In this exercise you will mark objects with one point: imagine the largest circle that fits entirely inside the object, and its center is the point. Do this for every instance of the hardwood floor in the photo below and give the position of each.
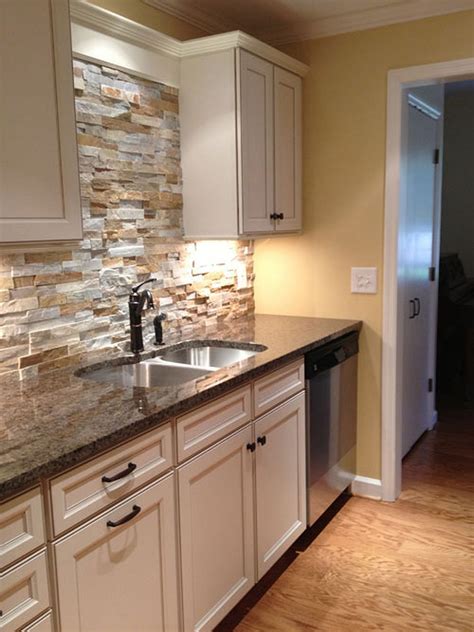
(397, 566)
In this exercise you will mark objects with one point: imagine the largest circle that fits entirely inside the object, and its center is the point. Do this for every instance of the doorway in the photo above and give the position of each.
(393, 359)
(418, 241)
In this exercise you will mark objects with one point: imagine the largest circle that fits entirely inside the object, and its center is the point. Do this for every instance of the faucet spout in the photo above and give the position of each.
(137, 303)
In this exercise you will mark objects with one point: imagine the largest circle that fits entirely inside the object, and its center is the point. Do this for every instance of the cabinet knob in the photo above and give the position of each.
(262, 440)
(251, 446)
(277, 216)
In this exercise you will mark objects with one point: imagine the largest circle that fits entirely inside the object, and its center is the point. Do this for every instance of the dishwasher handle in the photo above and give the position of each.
(330, 355)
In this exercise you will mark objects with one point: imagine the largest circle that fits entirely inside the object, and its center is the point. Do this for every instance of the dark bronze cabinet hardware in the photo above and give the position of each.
(417, 306)
(128, 470)
(135, 511)
(262, 440)
(251, 446)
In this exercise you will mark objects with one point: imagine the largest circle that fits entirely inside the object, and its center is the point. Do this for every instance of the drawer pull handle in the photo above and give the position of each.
(262, 440)
(135, 511)
(128, 470)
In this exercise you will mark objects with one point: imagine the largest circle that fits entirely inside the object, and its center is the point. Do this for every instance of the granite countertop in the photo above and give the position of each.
(57, 420)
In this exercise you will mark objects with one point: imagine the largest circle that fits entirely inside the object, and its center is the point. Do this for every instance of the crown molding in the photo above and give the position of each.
(239, 39)
(192, 15)
(361, 20)
(405, 11)
(109, 23)
(115, 25)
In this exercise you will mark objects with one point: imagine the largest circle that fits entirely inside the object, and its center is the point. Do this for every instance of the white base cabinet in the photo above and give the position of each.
(122, 578)
(280, 475)
(217, 530)
(258, 472)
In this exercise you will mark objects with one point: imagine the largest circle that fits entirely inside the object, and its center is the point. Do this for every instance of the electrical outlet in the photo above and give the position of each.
(364, 280)
(241, 271)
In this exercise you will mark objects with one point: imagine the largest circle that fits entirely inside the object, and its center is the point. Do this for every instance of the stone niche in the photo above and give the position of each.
(57, 306)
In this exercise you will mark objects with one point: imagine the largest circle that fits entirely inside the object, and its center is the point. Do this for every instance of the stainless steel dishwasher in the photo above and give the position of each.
(331, 419)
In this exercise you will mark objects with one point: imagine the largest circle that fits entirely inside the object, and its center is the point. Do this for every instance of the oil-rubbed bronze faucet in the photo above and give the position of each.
(137, 303)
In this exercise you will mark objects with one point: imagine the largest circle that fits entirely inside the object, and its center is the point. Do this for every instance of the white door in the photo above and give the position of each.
(119, 578)
(280, 480)
(416, 253)
(256, 144)
(288, 171)
(217, 530)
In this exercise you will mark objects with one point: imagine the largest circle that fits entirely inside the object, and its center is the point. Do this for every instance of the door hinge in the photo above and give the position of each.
(436, 157)
(432, 274)
(430, 385)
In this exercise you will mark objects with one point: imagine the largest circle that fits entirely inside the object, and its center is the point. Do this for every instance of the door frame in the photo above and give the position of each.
(392, 326)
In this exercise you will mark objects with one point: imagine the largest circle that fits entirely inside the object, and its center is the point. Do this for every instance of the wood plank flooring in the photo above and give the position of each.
(397, 566)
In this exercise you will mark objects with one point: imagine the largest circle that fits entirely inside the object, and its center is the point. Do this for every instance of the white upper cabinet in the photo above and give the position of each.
(39, 177)
(241, 145)
(256, 143)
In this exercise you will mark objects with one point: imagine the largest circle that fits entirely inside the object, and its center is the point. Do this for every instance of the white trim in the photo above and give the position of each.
(401, 11)
(405, 11)
(124, 29)
(193, 15)
(367, 487)
(392, 334)
(110, 24)
(239, 39)
(91, 45)
(434, 420)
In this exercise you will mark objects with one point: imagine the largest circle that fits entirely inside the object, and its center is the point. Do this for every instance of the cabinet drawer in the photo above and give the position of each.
(43, 624)
(82, 492)
(21, 526)
(200, 428)
(24, 592)
(278, 386)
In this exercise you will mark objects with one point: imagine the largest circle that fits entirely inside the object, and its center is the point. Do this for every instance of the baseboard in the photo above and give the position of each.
(367, 487)
(434, 420)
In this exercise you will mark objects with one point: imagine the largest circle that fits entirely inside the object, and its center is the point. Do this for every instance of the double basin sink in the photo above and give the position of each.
(176, 366)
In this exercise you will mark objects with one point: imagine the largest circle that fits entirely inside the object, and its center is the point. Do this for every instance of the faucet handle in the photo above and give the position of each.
(137, 287)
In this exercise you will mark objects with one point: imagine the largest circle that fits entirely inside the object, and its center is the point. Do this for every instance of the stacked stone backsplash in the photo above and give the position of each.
(56, 307)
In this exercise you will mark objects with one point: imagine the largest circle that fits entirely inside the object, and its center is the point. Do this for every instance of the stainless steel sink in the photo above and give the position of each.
(147, 374)
(174, 367)
(211, 357)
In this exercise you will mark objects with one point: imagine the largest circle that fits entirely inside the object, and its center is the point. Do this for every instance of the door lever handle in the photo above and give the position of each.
(413, 313)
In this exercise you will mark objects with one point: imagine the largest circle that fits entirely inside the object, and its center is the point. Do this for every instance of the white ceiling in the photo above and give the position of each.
(283, 21)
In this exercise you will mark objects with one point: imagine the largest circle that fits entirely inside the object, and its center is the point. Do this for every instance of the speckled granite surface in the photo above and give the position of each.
(55, 421)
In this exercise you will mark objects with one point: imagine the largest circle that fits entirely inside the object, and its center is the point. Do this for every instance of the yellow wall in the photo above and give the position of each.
(142, 13)
(344, 154)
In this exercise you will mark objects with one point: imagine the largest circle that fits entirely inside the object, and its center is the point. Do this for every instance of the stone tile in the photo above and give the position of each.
(76, 301)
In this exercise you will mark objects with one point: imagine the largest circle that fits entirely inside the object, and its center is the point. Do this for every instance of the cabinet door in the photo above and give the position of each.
(288, 158)
(280, 480)
(122, 578)
(217, 530)
(39, 177)
(256, 144)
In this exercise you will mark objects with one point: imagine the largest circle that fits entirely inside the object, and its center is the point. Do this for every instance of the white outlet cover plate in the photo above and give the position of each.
(364, 280)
